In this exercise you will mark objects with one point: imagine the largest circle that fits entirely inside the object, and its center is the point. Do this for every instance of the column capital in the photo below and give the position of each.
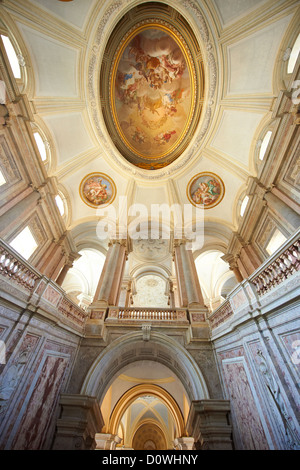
(179, 241)
(106, 441)
(184, 443)
(124, 242)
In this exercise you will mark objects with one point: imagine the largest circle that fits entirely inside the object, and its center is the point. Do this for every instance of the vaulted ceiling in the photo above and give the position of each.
(237, 48)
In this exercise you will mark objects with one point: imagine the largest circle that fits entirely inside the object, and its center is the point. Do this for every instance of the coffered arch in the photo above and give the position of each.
(130, 348)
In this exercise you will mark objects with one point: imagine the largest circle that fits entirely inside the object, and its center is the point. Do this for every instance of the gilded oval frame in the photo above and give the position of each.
(211, 195)
(176, 36)
(112, 190)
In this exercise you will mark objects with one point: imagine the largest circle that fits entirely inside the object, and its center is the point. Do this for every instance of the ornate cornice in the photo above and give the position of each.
(97, 50)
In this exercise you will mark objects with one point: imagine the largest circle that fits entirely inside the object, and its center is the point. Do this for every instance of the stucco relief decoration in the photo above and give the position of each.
(152, 95)
(205, 189)
(151, 248)
(97, 189)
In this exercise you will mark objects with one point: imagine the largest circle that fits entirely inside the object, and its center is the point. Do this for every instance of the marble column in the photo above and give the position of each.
(182, 293)
(108, 289)
(45, 255)
(171, 295)
(232, 261)
(187, 278)
(282, 210)
(58, 265)
(236, 272)
(62, 275)
(80, 420)
(241, 267)
(128, 294)
(249, 258)
(17, 213)
(208, 423)
(51, 263)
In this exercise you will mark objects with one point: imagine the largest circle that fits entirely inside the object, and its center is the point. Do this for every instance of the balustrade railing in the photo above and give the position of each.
(279, 268)
(46, 293)
(147, 314)
(221, 314)
(16, 269)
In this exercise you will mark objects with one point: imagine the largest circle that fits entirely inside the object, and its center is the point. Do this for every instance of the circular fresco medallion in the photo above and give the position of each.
(152, 91)
(97, 189)
(206, 189)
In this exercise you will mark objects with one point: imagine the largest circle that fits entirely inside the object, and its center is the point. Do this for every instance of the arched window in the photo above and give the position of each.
(294, 55)
(12, 56)
(2, 178)
(244, 205)
(60, 204)
(82, 279)
(264, 145)
(41, 145)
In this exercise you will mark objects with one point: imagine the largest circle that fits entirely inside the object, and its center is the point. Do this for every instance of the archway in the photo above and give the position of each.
(147, 406)
(132, 347)
(149, 437)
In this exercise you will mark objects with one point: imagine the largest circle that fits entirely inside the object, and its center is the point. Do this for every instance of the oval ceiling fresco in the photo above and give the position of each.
(153, 92)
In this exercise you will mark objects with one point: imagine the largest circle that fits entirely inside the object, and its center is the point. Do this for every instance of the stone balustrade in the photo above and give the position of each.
(146, 314)
(252, 293)
(221, 314)
(279, 268)
(12, 267)
(22, 280)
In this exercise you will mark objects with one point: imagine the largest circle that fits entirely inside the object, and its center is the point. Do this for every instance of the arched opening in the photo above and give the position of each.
(82, 279)
(213, 273)
(151, 409)
(149, 437)
(131, 368)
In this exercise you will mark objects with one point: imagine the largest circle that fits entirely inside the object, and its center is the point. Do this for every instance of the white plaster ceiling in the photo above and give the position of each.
(234, 135)
(251, 59)
(70, 135)
(147, 408)
(232, 10)
(55, 63)
(75, 12)
(248, 37)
